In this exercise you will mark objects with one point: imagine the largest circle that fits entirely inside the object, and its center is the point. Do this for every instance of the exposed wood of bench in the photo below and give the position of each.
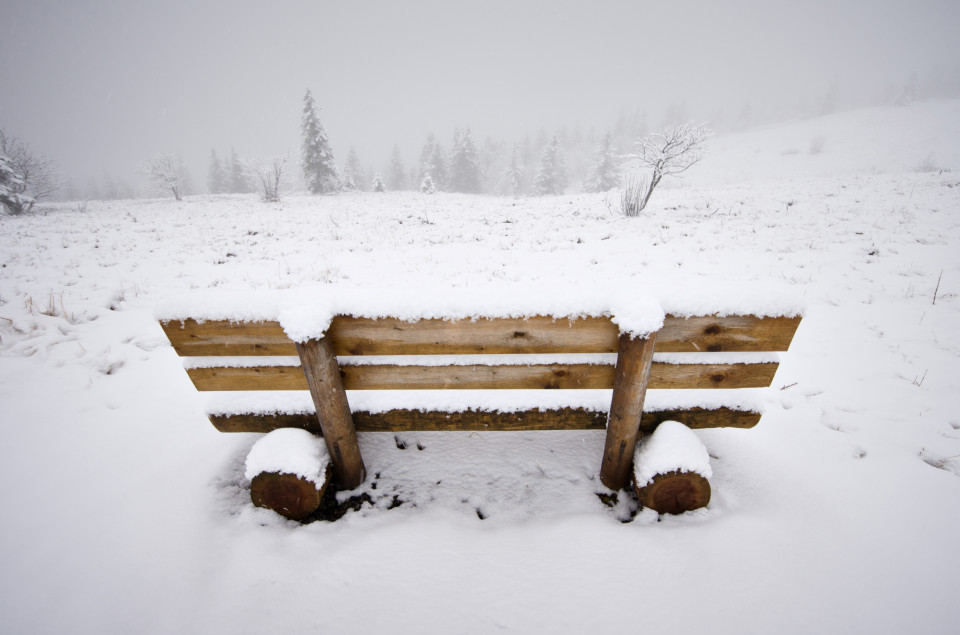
(633, 374)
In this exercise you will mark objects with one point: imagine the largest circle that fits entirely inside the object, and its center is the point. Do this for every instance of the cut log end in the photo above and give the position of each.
(289, 495)
(675, 492)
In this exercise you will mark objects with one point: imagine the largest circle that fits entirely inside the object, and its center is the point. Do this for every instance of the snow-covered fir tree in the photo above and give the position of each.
(424, 166)
(12, 187)
(606, 172)
(353, 171)
(438, 167)
(426, 185)
(316, 157)
(111, 191)
(348, 184)
(398, 176)
(552, 176)
(216, 183)
(514, 175)
(492, 165)
(465, 167)
(377, 185)
(238, 183)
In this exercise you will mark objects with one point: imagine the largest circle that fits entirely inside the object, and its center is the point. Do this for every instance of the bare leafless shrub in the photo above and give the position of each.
(167, 172)
(270, 175)
(927, 165)
(671, 152)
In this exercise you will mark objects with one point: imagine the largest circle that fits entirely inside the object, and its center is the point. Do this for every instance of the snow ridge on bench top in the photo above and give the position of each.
(305, 312)
(638, 314)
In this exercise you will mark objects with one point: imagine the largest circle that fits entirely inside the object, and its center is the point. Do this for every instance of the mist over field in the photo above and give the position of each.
(100, 87)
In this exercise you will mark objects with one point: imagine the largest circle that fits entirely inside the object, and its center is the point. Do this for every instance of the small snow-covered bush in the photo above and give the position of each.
(270, 174)
(671, 152)
(927, 165)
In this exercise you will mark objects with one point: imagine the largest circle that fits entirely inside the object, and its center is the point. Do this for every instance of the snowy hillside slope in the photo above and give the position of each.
(125, 511)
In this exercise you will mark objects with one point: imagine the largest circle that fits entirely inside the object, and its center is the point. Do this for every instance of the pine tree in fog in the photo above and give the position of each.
(426, 185)
(514, 175)
(425, 165)
(552, 176)
(235, 179)
(398, 176)
(316, 157)
(216, 181)
(465, 167)
(438, 167)
(377, 185)
(353, 171)
(606, 171)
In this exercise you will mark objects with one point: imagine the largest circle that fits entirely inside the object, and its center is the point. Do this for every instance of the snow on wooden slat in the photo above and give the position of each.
(408, 420)
(562, 376)
(538, 334)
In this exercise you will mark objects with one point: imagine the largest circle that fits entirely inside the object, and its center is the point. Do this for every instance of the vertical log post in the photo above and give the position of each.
(634, 357)
(333, 412)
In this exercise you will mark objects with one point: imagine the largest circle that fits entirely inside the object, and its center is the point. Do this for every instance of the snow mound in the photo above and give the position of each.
(672, 447)
(289, 451)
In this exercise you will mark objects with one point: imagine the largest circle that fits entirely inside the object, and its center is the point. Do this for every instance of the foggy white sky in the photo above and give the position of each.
(102, 85)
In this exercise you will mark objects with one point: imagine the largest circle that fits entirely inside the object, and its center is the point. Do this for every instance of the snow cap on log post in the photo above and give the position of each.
(289, 470)
(671, 470)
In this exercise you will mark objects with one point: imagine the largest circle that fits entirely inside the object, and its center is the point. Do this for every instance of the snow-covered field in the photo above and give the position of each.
(125, 511)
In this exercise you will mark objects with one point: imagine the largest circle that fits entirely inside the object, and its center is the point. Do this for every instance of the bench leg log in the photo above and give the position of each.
(333, 412)
(675, 492)
(289, 495)
(634, 358)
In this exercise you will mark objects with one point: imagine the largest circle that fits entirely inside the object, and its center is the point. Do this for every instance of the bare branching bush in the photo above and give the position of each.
(927, 165)
(668, 153)
(270, 175)
(26, 178)
(167, 172)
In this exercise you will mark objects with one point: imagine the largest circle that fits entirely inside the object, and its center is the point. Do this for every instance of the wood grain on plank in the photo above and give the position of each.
(403, 420)
(543, 335)
(214, 337)
(561, 376)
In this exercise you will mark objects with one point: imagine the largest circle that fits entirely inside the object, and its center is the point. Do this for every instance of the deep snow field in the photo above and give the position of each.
(126, 512)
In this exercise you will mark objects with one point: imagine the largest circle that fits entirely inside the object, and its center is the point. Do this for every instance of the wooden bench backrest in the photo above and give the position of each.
(327, 378)
(350, 336)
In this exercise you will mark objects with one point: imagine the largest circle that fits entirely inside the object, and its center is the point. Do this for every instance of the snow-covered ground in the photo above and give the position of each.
(125, 511)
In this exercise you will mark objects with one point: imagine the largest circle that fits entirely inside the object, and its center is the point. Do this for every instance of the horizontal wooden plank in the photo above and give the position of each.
(538, 334)
(213, 337)
(732, 333)
(473, 377)
(402, 420)
(544, 335)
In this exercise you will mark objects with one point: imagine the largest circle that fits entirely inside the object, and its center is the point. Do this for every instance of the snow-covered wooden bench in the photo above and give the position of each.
(349, 353)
